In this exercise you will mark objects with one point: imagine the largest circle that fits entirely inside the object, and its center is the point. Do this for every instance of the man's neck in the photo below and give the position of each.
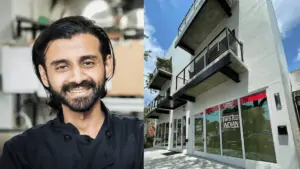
(88, 123)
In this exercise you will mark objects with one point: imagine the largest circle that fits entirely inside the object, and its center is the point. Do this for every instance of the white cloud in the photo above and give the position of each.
(287, 13)
(298, 55)
(151, 44)
(165, 4)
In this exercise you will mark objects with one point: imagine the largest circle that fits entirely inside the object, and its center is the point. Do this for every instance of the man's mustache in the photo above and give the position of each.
(84, 84)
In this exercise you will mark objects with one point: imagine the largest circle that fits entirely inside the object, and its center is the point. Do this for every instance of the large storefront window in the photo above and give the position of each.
(258, 137)
(179, 136)
(184, 132)
(212, 130)
(157, 134)
(162, 134)
(174, 133)
(199, 132)
(167, 135)
(231, 133)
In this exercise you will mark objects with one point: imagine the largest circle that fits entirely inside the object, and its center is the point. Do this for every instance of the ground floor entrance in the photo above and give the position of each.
(162, 135)
(179, 133)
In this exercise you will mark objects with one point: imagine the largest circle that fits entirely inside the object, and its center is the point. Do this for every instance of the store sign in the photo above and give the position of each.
(230, 121)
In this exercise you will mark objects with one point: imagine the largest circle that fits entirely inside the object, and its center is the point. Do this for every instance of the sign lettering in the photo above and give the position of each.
(230, 121)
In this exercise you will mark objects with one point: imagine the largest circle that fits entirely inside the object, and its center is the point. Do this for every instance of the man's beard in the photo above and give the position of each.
(80, 104)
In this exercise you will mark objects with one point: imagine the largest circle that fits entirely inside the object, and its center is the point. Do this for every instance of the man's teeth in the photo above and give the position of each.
(78, 90)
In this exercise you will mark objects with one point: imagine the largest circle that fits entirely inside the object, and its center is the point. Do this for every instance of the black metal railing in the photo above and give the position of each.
(224, 41)
(186, 18)
(156, 102)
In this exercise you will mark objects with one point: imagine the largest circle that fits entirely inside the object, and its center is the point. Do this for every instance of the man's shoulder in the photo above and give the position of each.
(128, 124)
(29, 136)
(127, 120)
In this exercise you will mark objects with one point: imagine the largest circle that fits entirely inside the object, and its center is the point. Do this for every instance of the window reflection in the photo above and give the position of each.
(231, 133)
(199, 132)
(212, 130)
(258, 137)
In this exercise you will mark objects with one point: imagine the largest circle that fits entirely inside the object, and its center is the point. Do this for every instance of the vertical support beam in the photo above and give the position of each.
(204, 133)
(220, 131)
(241, 129)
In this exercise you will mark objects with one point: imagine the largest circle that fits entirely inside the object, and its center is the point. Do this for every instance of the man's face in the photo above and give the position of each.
(75, 72)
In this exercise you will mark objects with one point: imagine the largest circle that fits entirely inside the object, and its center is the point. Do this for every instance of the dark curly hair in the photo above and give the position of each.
(66, 28)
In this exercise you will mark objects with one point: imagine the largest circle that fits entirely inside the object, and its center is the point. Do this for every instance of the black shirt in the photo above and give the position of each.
(56, 145)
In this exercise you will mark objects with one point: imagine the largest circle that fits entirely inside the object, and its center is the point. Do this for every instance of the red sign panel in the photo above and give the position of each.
(228, 104)
(253, 97)
(212, 109)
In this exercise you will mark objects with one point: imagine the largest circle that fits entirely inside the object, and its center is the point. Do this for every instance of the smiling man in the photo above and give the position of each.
(73, 59)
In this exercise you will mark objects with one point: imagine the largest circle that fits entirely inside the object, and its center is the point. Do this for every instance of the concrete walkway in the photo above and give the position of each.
(155, 159)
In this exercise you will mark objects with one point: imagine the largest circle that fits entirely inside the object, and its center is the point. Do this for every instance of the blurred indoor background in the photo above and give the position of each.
(22, 97)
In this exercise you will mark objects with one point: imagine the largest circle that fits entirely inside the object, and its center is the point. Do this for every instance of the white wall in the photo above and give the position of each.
(286, 82)
(180, 59)
(165, 87)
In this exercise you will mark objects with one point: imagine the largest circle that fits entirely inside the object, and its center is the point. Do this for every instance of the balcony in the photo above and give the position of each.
(220, 61)
(161, 74)
(163, 105)
(202, 17)
(153, 109)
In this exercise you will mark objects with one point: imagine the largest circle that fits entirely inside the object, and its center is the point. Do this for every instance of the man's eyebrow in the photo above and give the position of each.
(56, 62)
(82, 58)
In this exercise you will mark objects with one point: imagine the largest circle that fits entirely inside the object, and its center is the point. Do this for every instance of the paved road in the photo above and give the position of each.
(154, 159)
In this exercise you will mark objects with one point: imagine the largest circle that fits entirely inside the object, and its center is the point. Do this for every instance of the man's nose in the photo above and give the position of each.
(78, 76)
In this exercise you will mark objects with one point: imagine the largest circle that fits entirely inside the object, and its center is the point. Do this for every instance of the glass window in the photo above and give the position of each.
(179, 135)
(184, 132)
(167, 135)
(157, 134)
(163, 134)
(258, 137)
(212, 130)
(199, 132)
(231, 133)
(174, 132)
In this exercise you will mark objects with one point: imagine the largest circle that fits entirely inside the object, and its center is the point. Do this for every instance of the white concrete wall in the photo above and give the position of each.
(255, 26)
(165, 87)
(286, 82)
(180, 59)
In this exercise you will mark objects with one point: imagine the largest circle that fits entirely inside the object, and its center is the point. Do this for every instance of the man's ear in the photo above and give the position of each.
(43, 76)
(108, 65)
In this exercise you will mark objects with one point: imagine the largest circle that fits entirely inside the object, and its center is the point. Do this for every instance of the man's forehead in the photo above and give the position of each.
(78, 45)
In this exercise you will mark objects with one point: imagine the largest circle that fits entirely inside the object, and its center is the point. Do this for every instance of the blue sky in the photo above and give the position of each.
(162, 18)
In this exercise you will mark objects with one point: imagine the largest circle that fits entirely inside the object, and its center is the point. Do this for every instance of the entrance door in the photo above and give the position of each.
(167, 135)
(179, 134)
(174, 133)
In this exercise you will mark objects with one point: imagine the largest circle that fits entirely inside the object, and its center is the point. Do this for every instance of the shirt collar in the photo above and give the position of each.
(58, 122)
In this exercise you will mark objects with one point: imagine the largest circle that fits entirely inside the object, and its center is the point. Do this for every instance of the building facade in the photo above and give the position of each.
(228, 95)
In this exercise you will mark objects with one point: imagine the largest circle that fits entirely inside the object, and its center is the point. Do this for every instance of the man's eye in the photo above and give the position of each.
(88, 63)
(61, 67)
